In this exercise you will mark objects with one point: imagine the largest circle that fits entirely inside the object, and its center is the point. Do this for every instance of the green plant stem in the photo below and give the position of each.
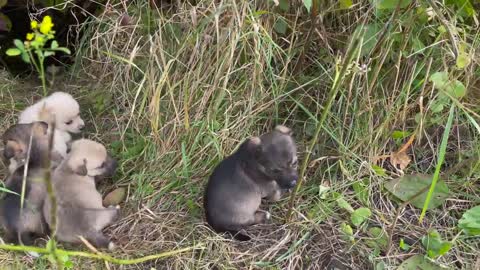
(331, 96)
(441, 158)
(42, 75)
(102, 256)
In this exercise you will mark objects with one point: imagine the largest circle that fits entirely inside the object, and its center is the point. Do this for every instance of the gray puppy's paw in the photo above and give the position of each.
(262, 216)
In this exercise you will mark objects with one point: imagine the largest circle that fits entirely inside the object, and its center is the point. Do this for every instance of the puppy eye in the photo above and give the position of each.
(276, 170)
(69, 122)
(295, 163)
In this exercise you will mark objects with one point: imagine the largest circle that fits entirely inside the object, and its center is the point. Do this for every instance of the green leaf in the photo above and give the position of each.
(439, 79)
(322, 191)
(379, 170)
(308, 4)
(280, 26)
(3, 3)
(54, 44)
(62, 255)
(25, 57)
(19, 44)
(470, 221)
(437, 106)
(463, 60)
(361, 192)
(456, 89)
(63, 49)
(347, 230)
(68, 264)
(380, 266)
(434, 244)
(360, 215)
(13, 52)
(344, 204)
(407, 186)
(380, 238)
(48, 53)
(390, 4)
(398, 134)
(418, 262)
(346, 4)
(284, 5)
(404, 246)
(370, 36)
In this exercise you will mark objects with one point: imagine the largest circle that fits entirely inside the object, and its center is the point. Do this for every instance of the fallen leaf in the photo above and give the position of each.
(115, 197)
(360, 215)
(400, 160)
(407, 186)
(418, 262)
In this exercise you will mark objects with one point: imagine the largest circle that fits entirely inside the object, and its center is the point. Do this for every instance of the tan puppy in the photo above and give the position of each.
(79, 205)
(28, 142)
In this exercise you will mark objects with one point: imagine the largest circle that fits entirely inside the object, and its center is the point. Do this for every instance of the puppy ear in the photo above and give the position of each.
(81, 169)
(255, 145)
(283, 129)
(13, 149)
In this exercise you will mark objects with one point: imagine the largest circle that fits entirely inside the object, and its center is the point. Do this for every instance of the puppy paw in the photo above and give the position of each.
(262, 216)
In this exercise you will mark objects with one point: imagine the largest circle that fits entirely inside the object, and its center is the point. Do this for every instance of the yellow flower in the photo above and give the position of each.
(30, 36)
(33, 24)
(46, 25)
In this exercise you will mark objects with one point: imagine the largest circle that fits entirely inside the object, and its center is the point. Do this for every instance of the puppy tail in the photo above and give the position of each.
(237, 235)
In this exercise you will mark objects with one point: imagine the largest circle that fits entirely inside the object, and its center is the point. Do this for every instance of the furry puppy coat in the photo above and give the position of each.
(30, 142)
(261, 168)
(65, 111)
(79, 205)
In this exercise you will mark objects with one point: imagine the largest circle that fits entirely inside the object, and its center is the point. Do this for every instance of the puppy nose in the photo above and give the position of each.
(81, 126)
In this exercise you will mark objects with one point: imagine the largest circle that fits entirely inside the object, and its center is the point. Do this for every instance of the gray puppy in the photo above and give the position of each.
(79, 205)
(260, 168)
(26, 224)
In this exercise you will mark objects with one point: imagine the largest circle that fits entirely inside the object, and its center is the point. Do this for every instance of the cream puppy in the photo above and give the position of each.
(65, 111)
(79, 205)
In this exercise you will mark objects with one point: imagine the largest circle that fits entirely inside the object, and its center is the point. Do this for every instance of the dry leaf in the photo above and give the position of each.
(115, 197)
(400, 160)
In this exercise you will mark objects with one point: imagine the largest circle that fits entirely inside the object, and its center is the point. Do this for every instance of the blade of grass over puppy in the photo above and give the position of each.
(337, 82)
(441, 158)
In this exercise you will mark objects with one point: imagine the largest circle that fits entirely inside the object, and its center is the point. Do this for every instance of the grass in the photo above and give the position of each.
(178, 89)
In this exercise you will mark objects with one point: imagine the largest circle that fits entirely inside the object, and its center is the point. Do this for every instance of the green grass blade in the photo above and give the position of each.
(441, 158)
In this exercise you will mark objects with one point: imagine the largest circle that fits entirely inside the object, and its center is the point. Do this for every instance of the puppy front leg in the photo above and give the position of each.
(99, 240)
(275, 196)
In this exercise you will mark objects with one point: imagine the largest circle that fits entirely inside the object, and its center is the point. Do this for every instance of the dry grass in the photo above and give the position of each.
(177, 89)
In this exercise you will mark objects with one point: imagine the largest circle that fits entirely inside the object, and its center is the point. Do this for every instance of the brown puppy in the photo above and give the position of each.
(79, 205)
(260, 168)
(28, 145)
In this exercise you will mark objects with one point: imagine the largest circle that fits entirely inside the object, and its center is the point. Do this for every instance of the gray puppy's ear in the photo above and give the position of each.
(255, 146)
(82, 169)
(284, 130)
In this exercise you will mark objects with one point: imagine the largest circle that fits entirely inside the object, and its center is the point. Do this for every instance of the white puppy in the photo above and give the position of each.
(65, 111)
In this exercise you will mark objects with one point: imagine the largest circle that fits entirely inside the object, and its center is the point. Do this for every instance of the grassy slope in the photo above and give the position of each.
(177, 90)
